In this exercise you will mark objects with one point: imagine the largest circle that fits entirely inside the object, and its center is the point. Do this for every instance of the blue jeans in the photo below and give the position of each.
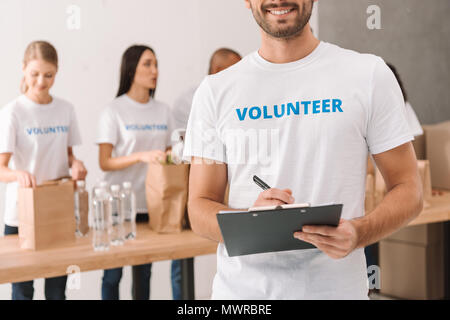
(371, 252)
(176, 279)
(140, 287)
(55, 288)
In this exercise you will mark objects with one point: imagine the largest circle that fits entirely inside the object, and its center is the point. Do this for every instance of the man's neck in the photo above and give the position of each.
(288, 50)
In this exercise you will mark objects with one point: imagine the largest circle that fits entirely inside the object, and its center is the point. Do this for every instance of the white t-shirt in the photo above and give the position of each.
(132, 127)
(38, 136)
(182, 107)
(414, 124)
(307, 125)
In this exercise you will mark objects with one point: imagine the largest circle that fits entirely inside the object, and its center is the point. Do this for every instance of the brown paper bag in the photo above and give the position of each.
(84, 213)
(46, 215)
(166, 190)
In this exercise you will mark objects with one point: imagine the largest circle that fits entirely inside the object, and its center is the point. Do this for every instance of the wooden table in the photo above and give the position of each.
(20, 265)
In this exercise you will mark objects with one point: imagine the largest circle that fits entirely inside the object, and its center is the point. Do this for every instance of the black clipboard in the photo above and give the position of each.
(250, 232)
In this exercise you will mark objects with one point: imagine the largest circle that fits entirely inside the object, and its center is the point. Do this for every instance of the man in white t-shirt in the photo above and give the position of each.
(301, 114)
(220, 60)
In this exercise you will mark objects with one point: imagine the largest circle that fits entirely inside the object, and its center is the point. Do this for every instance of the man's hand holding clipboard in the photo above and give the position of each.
(336, 242)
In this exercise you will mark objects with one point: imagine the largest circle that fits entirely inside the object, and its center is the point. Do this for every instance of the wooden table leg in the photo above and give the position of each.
(187, 279)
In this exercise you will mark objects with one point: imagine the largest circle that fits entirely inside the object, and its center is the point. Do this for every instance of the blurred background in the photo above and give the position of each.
(91, 35)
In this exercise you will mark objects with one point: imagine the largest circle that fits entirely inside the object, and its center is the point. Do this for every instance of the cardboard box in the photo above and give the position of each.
(423, 167)
(419, 146)
(46, 215)
(424, 234)
(437, 139)
(410, 271)
(369, 199)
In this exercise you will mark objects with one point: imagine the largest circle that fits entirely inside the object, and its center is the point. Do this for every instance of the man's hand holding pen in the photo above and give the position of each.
(274, 197)
(336, 242)
(271, 196)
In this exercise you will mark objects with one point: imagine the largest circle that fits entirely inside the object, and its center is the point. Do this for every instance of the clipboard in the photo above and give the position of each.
(251, 232)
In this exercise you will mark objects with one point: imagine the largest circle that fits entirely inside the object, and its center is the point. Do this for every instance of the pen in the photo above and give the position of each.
(260, 183)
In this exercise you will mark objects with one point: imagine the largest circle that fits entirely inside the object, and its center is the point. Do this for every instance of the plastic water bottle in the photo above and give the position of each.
(97, 185)
(117, 234)
(81, 209)
(129, 211)
(102, 211)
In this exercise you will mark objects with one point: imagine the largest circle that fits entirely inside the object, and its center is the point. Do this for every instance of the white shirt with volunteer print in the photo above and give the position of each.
(307, 125)
(38, 136)
(132, 127)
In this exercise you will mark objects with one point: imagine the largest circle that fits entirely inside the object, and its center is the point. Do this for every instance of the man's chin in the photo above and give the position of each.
(285, 33)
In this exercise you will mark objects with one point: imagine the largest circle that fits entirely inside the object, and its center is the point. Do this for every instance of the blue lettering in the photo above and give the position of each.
(295, 110)
(316, 106)
(275, 109)
(252, 114)
(266, 116)
(241, 115)
(305, 106)
(29, 131)
(326, 105)
(289, 108)
(337, 105)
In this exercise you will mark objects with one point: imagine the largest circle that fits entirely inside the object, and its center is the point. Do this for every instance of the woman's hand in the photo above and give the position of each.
(154, 156)
(25, 179)
(79, 172)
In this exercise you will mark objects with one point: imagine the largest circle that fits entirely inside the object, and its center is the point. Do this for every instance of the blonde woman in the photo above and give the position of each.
(37, 132)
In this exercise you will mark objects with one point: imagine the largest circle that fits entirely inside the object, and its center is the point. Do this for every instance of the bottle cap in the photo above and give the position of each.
(98, 192)
(115, 188)
(127, 185)
(81, 183)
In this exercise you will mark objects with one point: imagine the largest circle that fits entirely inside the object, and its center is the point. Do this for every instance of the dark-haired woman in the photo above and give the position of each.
(134, 130)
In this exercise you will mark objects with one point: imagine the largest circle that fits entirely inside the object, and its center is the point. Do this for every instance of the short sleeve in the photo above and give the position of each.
(7, 131)
(202, 139)
(387, 126)
(74, 131)
(107, 131)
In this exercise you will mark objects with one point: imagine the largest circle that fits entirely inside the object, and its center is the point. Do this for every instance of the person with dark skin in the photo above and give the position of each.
(221, 59)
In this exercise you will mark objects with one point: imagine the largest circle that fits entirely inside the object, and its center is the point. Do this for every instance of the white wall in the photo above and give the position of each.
(183, 33)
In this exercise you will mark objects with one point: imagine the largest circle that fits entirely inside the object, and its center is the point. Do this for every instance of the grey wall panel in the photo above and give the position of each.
(414, 36)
